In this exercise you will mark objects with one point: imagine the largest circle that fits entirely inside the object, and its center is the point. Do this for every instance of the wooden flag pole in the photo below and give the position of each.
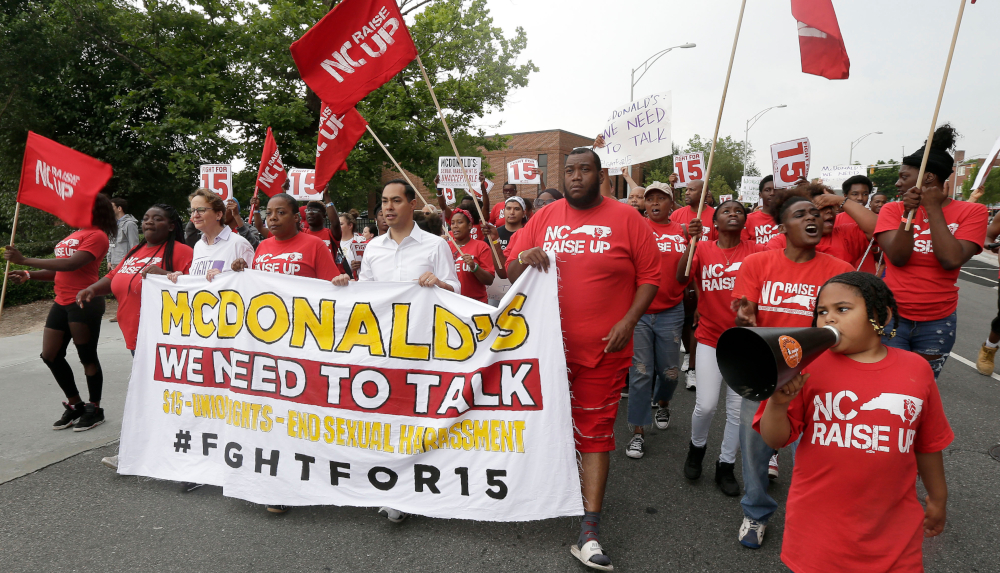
(13, 231)
(937, 108)
(493, 251)
(255, 189)
(715, 138)
(403, 173)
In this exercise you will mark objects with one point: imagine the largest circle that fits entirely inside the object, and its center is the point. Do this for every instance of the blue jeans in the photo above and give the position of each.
(656, 356)
(757, 504)
(930, 338)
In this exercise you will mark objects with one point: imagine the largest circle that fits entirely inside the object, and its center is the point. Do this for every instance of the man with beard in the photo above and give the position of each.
(601, 246)
(637, 199)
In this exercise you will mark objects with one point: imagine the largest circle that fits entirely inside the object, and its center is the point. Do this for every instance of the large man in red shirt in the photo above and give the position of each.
(609, 270)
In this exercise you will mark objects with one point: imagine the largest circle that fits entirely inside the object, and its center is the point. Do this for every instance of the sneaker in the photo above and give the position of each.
(624, 395)
(393, 515)
(662, 418)
(275, 508)
(725, 478)
(686, 363)
(91, 418)
(689, 380)
(187, 486)
(111, 462)
(692, 465)
(752, 533)
(984, 364)
(71, 414)
(772, 468)
(634, 449)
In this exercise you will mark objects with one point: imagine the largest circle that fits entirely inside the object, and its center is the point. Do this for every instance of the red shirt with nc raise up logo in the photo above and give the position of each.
(671, 244)
(303, 255)
(760, 228)
(715, 271)
(68, 283)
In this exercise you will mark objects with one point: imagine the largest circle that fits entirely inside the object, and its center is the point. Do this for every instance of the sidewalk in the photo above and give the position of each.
(27, 442)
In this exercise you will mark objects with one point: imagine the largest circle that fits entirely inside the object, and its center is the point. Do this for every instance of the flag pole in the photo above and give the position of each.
(715, 138)
(423, 70)
(255, 189)
(937, 108)
(13, 231)
(403, 173)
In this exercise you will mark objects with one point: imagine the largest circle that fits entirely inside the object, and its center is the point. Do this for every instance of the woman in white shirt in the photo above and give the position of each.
(218, 246)
(348, 224)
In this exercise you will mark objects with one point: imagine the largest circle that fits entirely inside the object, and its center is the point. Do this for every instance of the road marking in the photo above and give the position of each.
(968, 362)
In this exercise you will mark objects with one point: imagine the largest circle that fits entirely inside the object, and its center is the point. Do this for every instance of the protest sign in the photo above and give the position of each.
(302, 185)
(496, 291)
(286, 390)
(726, 197)
(60, 180)
(217, 179)
(523, 171)
(688, 167)
(790, 162)
(450, 172)
(637, 131)
(834, 176)
(750, 189)
(984, 170)
(449, 195)
(359, 250)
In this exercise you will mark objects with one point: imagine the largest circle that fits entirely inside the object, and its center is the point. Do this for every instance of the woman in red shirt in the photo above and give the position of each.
(474, 268)
(316, 219)
(78, 258)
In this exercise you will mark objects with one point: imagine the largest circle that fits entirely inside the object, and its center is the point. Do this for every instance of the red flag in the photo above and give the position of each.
(271, 175)
(354, 49)
(61, 181)
(820, 43)
(338, 134)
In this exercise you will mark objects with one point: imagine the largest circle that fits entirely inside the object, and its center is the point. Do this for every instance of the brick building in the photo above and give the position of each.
(964, 169)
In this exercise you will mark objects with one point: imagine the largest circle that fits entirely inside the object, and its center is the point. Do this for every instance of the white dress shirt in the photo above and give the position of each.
(419, 252)
(228, 247)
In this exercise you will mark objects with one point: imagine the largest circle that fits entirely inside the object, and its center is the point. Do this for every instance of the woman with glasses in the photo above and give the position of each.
(218, 246)
(546, 197)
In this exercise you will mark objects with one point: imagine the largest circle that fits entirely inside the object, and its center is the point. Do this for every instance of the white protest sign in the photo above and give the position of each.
(689, 167)
(790, 162)
(301, 185)
(489, 185)
(451, 175)
(359, 250)
(750, 189)
(726, 197)
(284, 391)
(218, 179)
(637, 131)
(984, 170)
(523, 171)
(497, 290)
(449, 195)
(834, 176)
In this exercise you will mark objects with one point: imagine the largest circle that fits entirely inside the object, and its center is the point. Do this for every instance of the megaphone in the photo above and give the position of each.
(757, 361)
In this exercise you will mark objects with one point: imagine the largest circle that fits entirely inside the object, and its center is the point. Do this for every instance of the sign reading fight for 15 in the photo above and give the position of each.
(218, 179)
(688, 168)
(790, 161)
(302, 185)
(523, 171)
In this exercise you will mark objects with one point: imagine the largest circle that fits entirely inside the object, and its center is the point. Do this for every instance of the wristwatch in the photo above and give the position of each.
(330, 204)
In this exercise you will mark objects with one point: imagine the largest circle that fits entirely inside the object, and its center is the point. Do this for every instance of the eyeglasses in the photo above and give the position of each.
(276, 212)
(313, 210)
(539, 202)
(198, 210)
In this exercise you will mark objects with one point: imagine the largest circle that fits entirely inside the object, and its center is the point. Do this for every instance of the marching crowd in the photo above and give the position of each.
(805, 256)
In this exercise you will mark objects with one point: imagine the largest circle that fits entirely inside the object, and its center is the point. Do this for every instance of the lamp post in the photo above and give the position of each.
(854, 144)
(647, 64)
(746, 132)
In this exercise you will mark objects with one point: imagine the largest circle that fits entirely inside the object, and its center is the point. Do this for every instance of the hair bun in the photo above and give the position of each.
(945, 138)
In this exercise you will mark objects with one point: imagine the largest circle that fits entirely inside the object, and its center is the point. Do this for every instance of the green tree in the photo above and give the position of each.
(884, 178)
(727, 165)
(660, 169)
(991, 185)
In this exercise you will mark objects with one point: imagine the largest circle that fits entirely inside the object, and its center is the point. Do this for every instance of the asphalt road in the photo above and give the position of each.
(76, 515)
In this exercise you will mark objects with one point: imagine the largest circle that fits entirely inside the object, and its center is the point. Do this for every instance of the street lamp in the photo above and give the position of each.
(746, 132)
(856, 142)
(646, 65)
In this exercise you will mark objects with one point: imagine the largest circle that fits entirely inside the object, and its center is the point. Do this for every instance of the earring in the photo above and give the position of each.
(880, 330)
(893, 333)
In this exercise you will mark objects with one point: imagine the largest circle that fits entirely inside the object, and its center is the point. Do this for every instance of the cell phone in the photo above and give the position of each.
(991, 246)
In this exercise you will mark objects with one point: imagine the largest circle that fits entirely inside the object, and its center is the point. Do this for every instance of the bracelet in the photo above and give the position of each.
(495, 241)
(475, 268)
(842, 204)
(519, 257)
(27, 275)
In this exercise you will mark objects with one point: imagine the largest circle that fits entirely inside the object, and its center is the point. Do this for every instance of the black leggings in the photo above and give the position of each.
(83, 327)
(995, 325)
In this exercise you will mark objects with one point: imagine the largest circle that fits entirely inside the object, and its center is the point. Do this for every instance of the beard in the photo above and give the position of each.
(587, 200)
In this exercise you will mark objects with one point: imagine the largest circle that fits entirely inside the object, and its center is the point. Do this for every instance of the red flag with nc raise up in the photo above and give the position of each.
(271, 175)
(338, 134)
(820, 42)
(61, 181)
(354, 49)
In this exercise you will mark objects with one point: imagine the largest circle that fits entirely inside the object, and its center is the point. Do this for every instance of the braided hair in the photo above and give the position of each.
(176, 237)
(879, 300)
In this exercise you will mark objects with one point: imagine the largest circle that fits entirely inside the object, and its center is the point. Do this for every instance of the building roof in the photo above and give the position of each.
(542, 131)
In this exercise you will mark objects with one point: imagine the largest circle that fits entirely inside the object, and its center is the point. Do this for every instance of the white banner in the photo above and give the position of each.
(450, 172)
(790, 162)
(984, 171)
(834, 176)
(750, 189)
(636, 132)
(301, 185)
(523, 171)
(289, 391)
(689, 167)
(218, 178)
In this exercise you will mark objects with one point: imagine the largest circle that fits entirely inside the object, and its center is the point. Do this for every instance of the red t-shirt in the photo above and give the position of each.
(602, 254)
(853, 499)
(126, 282)
(672, 246)
(760, 228)
(923, 289)
(303, 255)
(715, 271)
(685, 214)
(843, 218)
(480, 251)
(325, 235)
(785, 292)
(846, 242)
(68, 283)
(497, 214)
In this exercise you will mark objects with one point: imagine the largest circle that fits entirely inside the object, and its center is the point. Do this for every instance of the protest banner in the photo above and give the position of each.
(750, 189)
(834, 176)
(302, 185)
(338, 134)
(358, 249)
(790, 162)
(523, 171)
(688, 167)
(217, 178)
(449, 195)
(637, 131)
(450, 172)
(288, 390)
(984, 170)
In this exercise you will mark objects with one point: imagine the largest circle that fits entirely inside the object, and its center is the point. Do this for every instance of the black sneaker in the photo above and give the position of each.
(725, 477)
(187, 486)
(91, 418)
(692, 465)
(71, 415)
(662, 418)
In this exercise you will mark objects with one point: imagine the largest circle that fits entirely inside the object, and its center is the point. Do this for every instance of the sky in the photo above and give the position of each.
(585, 51)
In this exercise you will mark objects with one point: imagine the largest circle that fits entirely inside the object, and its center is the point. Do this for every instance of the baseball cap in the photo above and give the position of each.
(657, 186)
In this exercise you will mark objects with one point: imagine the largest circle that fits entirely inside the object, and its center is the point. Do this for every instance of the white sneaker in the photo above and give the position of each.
(393, 515)
(111, 461)
(634, 449)
(772, 468)
(752, 533)
(689, 380)
(686, 362)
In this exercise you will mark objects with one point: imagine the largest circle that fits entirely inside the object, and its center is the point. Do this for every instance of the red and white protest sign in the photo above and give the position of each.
(689, 167)
(353, 50)
(790, 161)
(451, 173)
(271, 175)
(724, 198)
(359, 250)
(60, 180)
(338, 134)
(302, 185)
(218, 179)
(523, 172)
(449, 195)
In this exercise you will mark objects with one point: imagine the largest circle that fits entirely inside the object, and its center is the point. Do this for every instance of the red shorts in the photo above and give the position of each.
(594, 397)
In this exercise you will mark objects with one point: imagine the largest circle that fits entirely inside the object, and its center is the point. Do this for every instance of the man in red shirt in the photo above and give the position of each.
(609, 271)
(760, 227)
